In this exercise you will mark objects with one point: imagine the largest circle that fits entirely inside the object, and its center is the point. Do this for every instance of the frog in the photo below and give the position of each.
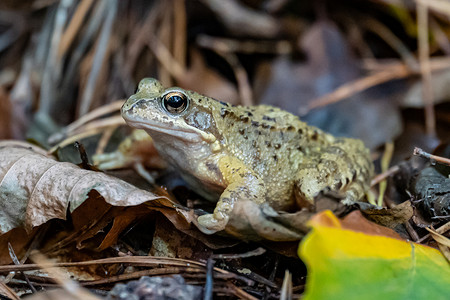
(230, 153)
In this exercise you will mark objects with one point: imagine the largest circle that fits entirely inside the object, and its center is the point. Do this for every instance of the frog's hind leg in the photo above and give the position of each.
(344, 168)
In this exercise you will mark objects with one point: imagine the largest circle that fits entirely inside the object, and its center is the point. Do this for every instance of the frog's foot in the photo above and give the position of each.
(245, 185)
(307, 191)
(354, 193)
(112, 160)
(218, 220)
(211, 223)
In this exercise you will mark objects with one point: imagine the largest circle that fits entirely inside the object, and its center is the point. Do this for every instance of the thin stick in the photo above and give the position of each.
(440, 36)
(143, 261)
(245, 91)
(70, 286)
(348, 89)
(241, 294)
(94, 114)
(393, 41)
(6, 291)
(384, 72)
(74, 26)
(441, 230)
(52, 68)
(16, 261)
(372, 65)
(179, 38)
(385, 161)
(441, 6)
(90, 129)
(431, 157)
(256, 252)
(425, 69)
(227, 45)
(164, 34)
(139, 274)
(99, 58)
(164, 56)
(382, 176)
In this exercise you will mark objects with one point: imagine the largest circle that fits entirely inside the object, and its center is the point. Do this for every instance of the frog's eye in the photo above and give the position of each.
(175, 102)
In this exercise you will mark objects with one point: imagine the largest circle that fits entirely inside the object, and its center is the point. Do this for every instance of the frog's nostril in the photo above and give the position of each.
(129, 104)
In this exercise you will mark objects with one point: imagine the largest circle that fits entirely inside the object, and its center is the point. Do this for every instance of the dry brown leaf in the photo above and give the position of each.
(35, 188)
(251, 221)
(18, 239)
(356, 221)
(391, 217)
(94, 215)
(168, 242)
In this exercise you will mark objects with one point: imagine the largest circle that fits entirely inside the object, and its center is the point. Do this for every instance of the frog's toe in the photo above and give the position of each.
(209, 224)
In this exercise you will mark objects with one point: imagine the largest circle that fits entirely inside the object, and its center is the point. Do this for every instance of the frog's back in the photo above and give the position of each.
(281, 149)
(261, 135)
(273, 142)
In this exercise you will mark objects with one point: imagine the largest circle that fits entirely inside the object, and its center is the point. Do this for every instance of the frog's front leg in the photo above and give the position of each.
(242, 183)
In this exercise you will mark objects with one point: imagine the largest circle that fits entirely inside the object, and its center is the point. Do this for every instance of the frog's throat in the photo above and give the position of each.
(190, 134)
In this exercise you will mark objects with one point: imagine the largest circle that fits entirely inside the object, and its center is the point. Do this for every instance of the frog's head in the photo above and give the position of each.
(171, 113)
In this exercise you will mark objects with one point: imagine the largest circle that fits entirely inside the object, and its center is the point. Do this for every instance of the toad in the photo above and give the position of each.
(227, 153)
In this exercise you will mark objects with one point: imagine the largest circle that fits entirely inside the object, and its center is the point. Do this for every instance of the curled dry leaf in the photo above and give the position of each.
(391, 217)
(355, 221)
(251, 221)
(35, 188)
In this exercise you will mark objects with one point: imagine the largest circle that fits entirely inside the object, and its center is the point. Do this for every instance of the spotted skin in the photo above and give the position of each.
(261, 153)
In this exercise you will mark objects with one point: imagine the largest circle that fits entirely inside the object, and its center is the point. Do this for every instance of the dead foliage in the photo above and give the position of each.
(374, 70)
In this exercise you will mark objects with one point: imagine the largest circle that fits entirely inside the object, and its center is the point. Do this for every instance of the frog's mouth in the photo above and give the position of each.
(186, 133)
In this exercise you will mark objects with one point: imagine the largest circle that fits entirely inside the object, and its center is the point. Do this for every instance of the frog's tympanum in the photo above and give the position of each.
(261, 153)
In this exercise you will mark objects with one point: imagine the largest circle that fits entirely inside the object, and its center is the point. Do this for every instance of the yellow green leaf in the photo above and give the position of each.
(346, 264)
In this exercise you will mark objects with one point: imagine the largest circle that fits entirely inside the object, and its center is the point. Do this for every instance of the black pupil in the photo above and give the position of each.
(175, 101)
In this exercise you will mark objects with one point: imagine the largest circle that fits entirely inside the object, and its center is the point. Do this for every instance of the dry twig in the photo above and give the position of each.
(431, 157)
(425, 68)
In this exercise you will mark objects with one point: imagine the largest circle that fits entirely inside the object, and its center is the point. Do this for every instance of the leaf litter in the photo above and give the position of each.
(356, 74)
